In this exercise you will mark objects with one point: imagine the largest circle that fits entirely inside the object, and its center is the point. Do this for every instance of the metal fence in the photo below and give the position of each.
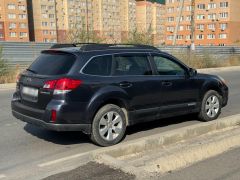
(22, 54)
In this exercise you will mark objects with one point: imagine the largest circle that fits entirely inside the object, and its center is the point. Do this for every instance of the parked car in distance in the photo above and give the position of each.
(100, 89)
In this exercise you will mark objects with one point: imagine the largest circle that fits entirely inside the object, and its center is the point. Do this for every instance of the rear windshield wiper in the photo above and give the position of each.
(34, 72)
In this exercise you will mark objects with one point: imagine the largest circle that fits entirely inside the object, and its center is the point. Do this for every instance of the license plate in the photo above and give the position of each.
(32, 92)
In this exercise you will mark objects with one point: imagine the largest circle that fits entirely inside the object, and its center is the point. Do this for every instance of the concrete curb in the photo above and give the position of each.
(111, 155)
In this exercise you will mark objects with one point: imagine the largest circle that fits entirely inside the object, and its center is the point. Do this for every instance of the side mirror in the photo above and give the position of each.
(192, 72)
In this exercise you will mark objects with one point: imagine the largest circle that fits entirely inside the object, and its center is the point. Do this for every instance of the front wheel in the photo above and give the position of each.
(211, 106)
(109, 125)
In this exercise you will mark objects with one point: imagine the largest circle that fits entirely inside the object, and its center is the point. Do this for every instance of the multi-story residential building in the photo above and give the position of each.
(128, 18)
(42, 20)
(107, 21)
(150, 19)
(215, 22)
(72, 15)
(13, 21)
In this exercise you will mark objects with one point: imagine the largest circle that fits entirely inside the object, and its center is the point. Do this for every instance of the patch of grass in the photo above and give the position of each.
(7, 74)
(207, 60)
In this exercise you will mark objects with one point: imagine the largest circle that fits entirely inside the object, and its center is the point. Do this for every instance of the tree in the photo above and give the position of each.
(4, 69)
(83, 35)
(140, 37)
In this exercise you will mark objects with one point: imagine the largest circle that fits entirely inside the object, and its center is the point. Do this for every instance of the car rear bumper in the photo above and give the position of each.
(54, 127)
(68, 117)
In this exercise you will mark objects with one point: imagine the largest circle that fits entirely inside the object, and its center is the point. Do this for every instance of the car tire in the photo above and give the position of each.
(108, 126)
(211, 106)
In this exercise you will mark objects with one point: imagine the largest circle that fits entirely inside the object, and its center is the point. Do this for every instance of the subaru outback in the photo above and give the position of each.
(101, 89)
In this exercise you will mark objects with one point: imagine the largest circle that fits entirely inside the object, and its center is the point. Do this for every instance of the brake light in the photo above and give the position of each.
(63, 85)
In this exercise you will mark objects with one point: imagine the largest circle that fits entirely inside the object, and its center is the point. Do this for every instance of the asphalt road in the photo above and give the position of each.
(223, 167)
(23, 147)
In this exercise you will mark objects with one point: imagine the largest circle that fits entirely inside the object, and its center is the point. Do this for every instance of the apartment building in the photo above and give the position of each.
(150, 17)
(128, 18)
(72, 15)
(216, 22)
(14, 21)
(42, 20)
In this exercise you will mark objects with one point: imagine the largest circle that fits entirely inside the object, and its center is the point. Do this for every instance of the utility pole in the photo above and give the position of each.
(178, 22)
(87, 22)
(193, 25)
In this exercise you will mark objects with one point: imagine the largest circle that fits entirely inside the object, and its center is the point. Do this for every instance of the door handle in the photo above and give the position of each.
(167, 83)
(125, 84)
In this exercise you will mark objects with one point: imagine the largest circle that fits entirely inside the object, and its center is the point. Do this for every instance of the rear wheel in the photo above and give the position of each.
(211, 106)
(109, 125)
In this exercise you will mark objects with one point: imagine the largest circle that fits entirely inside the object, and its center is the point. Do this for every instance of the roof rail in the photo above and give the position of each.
(95, 46)
(66, 45)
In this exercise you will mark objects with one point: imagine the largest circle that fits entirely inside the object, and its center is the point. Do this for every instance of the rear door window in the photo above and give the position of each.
(100, 66)
(53, 64)
(131, 65)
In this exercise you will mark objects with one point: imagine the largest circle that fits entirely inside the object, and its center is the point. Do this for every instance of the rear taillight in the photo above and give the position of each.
(61, 86)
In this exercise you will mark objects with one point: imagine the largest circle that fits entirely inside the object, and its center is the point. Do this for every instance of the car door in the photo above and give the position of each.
(178, 92)
(133, 73)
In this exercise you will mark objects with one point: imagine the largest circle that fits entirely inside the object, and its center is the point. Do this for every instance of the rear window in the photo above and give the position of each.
(53, 64)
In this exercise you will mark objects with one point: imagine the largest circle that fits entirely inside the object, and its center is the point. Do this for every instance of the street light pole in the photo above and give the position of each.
(87, 22)
(193, 25)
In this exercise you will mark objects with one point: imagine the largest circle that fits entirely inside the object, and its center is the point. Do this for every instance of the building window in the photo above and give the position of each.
(223, 15)
(180, 37)
(201, 6)
(188, 18)
(12, 25)
(188, 37)
(222, 36)
(170, 37)
(170, 29)
(223, 4)
(212, 6)
(13, 34)
(11, 6)
(200, 16)
(212, 16)
(223, 26)
(211, 26)
(188, 27)
(22, 7)
(45, 32)
(22, 16)
(200, 26)
(44, 24)
(1, 35)
(11, 16)
(200, 36)
(181, 28)
(211, 36)
(23, 34)
(22, 25)
(170, 19)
